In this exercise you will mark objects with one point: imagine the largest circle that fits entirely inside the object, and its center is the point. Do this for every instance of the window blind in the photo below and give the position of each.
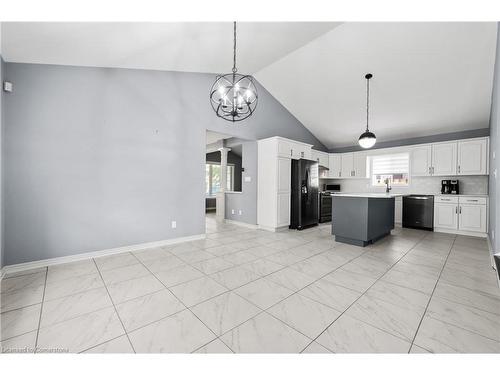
(389, 164)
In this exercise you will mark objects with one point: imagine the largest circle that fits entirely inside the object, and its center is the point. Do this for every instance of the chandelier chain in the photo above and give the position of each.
(234, 49)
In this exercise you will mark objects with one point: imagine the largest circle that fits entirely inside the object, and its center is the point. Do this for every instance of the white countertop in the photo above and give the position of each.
(369, 195)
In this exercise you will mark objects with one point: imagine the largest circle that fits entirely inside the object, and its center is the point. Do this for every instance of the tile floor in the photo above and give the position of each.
(242, 290)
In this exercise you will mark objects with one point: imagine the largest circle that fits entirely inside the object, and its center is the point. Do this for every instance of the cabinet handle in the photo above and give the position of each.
(459, 169)
(340, 174)
(429, 170)
(460, 211)
(432, 170)
(291, 152)
(302, 154)
(456, 210)
(472, 200)
(443, 199)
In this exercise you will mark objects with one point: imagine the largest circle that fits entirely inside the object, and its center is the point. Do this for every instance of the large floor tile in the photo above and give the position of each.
(147, 309)
(64, 271)
(195, 256)
(439, 337)
(16, 322)
(21, 298)
(348, 335)
(120, 345)
(351, 280)
(475, 298)
(408, 275)
(151, 254)
(263, 266)
(83, 332)
(213, 265)
(117, 275)
(225, 312)
(21, 282)
(235, 277)
(399, 295)
(330, 294)
(466, 317)
(366, 266)
(199, 290)
(163, 264)
(285, 258)
(291, 279)
(265, 334)
(313, 267)
(315, 348)
(178, 275)
(20, 344)
(469, 278)
(115, 261)
(240, 257)
(179, 333)
(263, 292)
(305, 315)
(65, 308)
(129, 289)
(399, 321)
(24, 272)
(72, 285)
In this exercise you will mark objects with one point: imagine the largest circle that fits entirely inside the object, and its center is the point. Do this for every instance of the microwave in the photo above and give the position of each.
(331, 187)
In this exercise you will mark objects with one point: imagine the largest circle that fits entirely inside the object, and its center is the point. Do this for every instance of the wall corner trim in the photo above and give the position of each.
(95, 254)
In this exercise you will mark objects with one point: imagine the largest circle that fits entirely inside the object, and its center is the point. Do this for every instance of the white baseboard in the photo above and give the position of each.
(272, 229)
(240, 223)
(95, 254)
(461, 232)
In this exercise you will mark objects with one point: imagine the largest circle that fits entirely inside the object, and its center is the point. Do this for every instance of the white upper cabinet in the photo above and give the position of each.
(335, 165)
(320, 157)
(444, 159)
(359, 161)
(421, 159)
(473, 157)
(291, 149)
(347, 165)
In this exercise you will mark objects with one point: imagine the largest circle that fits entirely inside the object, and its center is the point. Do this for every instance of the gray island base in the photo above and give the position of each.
(362, 219)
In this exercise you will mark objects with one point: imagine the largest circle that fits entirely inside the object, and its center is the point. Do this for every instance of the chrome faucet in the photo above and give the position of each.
(387, 187)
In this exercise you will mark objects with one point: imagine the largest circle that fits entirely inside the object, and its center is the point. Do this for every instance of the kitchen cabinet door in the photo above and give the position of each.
(398, 210)
(359, 162)
(446, 216)
(472, 218)
(285, 148)
(283, 210)
(444, 159)
(284, 175)
(421, 158)
(347, 165)
(335, 165)
(473, 157)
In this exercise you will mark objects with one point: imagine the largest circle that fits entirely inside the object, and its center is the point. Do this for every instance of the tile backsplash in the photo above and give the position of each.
(418, 185)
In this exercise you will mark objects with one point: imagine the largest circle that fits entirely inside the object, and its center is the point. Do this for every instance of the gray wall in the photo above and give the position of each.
(232, 158)
(494, 186)
(99, 158)
(420, 140)
(247, 200)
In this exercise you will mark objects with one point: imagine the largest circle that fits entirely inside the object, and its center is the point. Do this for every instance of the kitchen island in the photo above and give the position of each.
(362, 218)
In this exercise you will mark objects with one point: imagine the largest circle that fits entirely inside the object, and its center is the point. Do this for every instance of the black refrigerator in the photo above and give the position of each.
(304, 211)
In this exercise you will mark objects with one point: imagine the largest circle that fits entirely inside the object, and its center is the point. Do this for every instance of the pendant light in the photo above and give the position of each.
(367, 139)
(234, 96)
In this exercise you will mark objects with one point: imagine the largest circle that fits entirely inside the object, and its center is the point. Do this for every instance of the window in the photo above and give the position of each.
(394, 167)
(213, 178)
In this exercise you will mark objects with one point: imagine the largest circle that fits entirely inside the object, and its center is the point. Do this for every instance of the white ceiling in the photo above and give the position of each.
(213, 137)
(429, 78)
(183, 46)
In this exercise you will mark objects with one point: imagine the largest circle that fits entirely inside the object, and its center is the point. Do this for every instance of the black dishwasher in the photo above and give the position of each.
(418, 212)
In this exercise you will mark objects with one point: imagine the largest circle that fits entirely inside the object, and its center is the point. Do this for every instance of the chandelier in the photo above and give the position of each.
(367, 139)
(234, 96)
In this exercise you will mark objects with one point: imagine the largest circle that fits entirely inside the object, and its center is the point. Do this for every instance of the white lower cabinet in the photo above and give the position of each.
(462, 215)
(283, 209)
(472, 217)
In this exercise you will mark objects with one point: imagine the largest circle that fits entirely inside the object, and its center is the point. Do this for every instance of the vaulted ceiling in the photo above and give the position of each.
(429, 78)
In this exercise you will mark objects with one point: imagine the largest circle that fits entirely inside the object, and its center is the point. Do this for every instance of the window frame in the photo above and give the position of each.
(210, 182)
(371, 174)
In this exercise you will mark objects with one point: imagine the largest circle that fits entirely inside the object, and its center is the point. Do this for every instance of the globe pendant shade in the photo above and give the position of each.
(367, 139)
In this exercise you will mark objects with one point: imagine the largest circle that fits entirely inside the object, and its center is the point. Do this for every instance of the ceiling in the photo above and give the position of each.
(213, 137)
(184, 46)
(428, 78)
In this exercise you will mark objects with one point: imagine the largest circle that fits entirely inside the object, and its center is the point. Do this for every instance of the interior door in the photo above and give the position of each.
(421, 160)
(472, 157)
(444, 159)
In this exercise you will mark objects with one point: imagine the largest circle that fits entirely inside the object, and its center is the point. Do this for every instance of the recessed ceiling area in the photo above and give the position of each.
(428, 78)
(176, 46)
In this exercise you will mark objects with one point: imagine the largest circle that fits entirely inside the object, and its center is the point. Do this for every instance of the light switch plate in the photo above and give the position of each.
(174, 224)
(7, 86)
(232, 212)
(248, 179)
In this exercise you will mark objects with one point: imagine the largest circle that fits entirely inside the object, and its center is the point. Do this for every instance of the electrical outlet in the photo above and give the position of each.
(239, 212)
(232, 212)
(174, 224)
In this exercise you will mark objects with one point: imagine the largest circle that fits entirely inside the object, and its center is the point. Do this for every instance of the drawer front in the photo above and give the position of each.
(442, 199)
(473, 200)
